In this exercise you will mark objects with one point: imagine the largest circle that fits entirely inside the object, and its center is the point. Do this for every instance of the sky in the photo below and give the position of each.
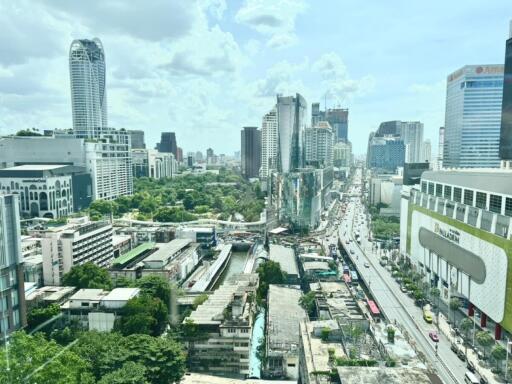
(206, 68)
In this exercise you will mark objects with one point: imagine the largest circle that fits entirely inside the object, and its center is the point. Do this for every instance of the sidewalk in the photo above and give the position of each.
(482, 368)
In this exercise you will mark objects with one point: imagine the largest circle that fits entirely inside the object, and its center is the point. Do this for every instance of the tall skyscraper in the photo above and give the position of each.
(318, 145)
(250, 151)
(410, 132)
(473, 117)
(137, 139)
(12, 292)
(168, 143)
(88, 90)
(291, 112)
(506, 111)
(268, 143)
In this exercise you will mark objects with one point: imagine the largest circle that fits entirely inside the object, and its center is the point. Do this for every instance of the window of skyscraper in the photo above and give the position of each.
(447, 192)
(468, 197)
(424, 186)
(457, 194)
(481, 200)
(430, 188)
(508, 206)
(495, 203)
(439, 190)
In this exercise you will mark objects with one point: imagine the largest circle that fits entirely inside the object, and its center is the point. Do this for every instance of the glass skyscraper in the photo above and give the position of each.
(88, 91)
(291, 112)
(473, 117)
(506, 114)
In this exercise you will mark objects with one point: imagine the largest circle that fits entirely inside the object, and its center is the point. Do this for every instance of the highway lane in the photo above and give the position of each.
(396, 305)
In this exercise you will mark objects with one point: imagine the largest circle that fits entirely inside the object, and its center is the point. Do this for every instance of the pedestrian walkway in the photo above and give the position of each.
(482, 368)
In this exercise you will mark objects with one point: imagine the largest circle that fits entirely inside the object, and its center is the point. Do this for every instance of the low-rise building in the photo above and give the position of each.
(78, 242)
(318, 270)
(96, 309)
(285, 256)
(380, 375)
(224, 327)
(48, 190)
(129, 265)
(48, 295)
(205, 236)
(153, 164)
(121, 244)
(283, 317)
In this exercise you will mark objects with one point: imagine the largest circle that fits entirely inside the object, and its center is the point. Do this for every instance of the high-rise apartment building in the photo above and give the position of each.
(473, 117)
(386, 152)
(337, 118)
(12, 292)
(168, 143)
(291, 112)
(76, 243)
(268, 143)
(506, 111)
(318, 145)
(426, 152)
(250, 152)
(137, 139)
(342, 154)
(88, 90)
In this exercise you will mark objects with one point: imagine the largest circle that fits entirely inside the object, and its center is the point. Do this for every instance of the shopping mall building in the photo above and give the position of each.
(456, 231)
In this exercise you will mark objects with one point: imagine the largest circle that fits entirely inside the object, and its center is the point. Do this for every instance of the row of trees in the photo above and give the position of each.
(103, 358)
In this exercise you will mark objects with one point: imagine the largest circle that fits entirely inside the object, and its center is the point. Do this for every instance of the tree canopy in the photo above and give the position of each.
(87, 275)
(269, 273)
(143, 314)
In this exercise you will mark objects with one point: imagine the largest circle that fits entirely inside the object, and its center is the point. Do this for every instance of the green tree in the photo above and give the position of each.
(39, 315)
(498, 353)
(308, 302)
(87, 275)
(270, 273)
(35, 360)
(465, 325)
(199, 300)
(143, 314)
(155, 286)
(391, 334)
(129, 373)
(28, 132)
(484, 339)
(104, 207)
(454, 306)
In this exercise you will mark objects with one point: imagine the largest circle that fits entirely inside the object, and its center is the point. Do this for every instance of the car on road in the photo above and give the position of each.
(434, 336)
(351, 251)
(461, 355)
(471, 366)
(366, 265)
(427, 314)
(403, 288)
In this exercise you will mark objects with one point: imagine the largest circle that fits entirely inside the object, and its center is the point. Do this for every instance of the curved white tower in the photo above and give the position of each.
(88, 93)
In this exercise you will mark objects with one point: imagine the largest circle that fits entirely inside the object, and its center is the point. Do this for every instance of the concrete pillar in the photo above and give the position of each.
(497, 332)
(483, 320)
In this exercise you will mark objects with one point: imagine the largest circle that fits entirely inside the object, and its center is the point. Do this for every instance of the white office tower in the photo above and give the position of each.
(473, 117)
(412, 135)
(12, 295)
(268, 143)
(319, 144)
(88, 91)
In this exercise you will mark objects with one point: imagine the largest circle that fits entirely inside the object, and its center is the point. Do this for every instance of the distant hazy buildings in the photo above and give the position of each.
(318, 145)
(440, 149)
(12, 295)
(268, 143)
(168, 144)
(506, 112)
(337, 118)
(88, 90)
(153, 164)
(291, 113)
(250, 151)
(385, 152)
(137, 139)
(426, 152)
(473, 117)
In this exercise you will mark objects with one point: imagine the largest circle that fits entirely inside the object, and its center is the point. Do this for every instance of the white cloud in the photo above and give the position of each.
(336, 82)
(274, 19)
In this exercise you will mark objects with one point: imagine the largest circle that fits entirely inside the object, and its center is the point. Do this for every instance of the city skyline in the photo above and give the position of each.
(156, 83)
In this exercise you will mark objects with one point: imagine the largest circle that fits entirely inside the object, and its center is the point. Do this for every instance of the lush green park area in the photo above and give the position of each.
(221, 196)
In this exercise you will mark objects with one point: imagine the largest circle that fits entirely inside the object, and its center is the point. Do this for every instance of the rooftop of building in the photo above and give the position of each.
(315, 265)
(34, 167)
(379, 375)
(285, 256)
(282, 330)
(211, 312)
(120, 239)
(495, 180)
(50, 293)
(33, 259)
(89, 294)
(133, 254)
(166, 250)
(121, 294)
(338, 300)
(199, 378)
(316, 352)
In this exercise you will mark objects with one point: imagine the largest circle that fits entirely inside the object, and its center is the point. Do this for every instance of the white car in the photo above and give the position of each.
(366, 265)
